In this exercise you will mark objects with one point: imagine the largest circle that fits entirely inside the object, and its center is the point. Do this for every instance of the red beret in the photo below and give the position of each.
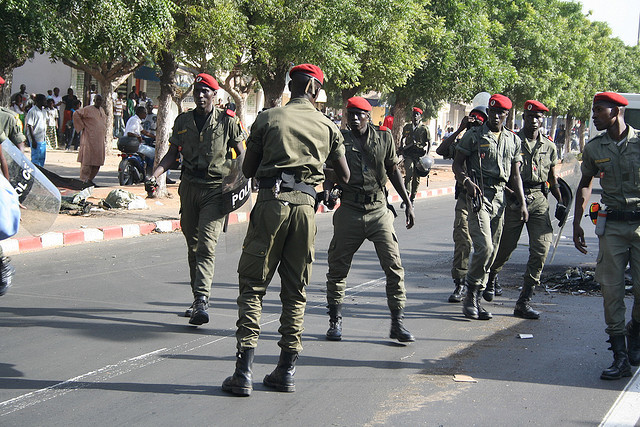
(500, 101)
(207, 80)
(535, 106)
(417, 110)
(309, 70)
(1, 81)
(478, 115)
(612, 97)
(359, 103)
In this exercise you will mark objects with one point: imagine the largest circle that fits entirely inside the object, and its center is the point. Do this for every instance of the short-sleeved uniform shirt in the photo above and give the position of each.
(419, 136)
(9, 127)
(296, 138)
(205, 154)
(618, 168)
(378, 153)
(496, 152)
(538, 157)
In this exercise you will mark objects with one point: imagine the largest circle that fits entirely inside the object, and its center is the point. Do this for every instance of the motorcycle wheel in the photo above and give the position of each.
(126, 172)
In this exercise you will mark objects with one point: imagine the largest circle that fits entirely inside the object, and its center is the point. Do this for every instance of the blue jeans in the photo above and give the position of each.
(39, 153)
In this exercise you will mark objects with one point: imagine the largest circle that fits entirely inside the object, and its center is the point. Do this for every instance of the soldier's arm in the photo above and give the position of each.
(460, 171)
(396, 180)
(443, 148)
(341, 169)
(516, 184)
(166, 161)
(553, 184)
(583, 194)
(3, 165)
(251, 162)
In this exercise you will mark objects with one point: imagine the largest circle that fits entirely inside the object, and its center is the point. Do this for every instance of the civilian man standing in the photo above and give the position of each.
(285, 151)
(613, 157)
(206, 137)
(92, 122)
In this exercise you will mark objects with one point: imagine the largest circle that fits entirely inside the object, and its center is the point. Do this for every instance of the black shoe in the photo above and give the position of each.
(282, 377)
(6, 274)
(470, 302)
(633, 342)
(498, 288)
(335, 322)
(459, 292)
(398, 331)
(523, 309)
(189, 311)
(199, 314)
(621, 367)
(241, 383)
(490, 290)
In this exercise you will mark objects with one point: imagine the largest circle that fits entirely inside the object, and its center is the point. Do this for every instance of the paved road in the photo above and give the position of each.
(92, 333)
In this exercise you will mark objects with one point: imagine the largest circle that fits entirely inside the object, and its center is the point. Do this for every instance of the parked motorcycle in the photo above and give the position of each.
(134, 167)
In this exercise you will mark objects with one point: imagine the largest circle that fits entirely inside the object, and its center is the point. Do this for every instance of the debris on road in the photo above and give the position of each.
(464, 379)
(579, 281)
(525, 336)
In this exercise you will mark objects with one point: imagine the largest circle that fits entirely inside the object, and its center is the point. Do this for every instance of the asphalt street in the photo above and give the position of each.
(93, 334)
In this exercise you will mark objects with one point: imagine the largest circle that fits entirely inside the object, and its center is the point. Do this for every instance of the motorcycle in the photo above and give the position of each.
(134, 167)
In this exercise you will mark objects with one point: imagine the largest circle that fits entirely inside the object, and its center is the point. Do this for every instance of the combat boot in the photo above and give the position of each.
(6, 274)
(482, 313)
(620, 367)
(497, 288)
(335, 322)
(523, 309)
(470, 302)
(460, 291)
(199, 313)
(412, 198)
(633, 342)
(398, 331)
(490, 290)
(282, 377)
(240, 383)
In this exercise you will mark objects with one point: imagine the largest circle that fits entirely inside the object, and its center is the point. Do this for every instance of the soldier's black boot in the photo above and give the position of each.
(240, 383)
(6, 274)
(523, 309)
(633, 342)
(620, 367)
(482, 313)
(412, 198)
(335, 322)
(398, 331)
(282, 377)
(490, 290)
(460, 291)
(470, 302)
(199, 313)
(496, 286)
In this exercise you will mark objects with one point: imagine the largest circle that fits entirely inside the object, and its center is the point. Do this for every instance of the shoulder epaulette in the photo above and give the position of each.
(548, 137)
(230, 113)
(383, 128)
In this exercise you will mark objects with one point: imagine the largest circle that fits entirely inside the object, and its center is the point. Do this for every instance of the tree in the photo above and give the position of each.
(24, 26)
(110, 38)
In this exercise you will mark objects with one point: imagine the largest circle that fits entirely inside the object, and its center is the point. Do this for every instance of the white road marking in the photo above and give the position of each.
(625, 411)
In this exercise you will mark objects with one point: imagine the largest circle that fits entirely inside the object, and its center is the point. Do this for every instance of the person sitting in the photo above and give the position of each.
(134, 129)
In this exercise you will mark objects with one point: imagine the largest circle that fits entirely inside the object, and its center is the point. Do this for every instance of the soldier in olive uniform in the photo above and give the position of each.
(461, 239)
(415, 143)
(614, 156)
(205, 137)
(486, 158)
(285, 151)
(9, 129)
(539, 160)
(364, 214)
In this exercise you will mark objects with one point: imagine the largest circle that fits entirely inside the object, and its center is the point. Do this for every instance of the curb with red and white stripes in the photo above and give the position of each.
(85, 235)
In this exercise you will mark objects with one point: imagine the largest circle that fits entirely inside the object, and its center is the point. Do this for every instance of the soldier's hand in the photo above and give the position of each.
(561, 211)
(467, 122)
(578, 238)
(471, 188)
(524, 214)
(411, 217)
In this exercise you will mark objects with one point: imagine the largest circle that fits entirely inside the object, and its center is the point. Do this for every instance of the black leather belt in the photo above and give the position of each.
(270, 182)
(623, 215)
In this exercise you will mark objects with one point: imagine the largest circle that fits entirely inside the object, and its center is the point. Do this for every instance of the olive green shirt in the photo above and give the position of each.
(9, 127)
(538, 157)
(296, 138)
(369, 164)
(497, 156)
(206, 154)
(420, 136)
(617, 167)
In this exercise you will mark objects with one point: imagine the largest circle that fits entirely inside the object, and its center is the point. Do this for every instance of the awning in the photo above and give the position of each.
(146, 73)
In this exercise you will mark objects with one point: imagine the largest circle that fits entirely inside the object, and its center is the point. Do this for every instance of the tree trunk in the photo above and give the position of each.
(86, 99)
(272, 82)
(554, 124)
(168, 67)
(567, 132)
(346, 94)
(399, 115)
(5, 90)
(581, 137)
(235, 85)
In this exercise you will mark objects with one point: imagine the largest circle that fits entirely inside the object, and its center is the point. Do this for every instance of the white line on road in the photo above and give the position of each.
(625, 411)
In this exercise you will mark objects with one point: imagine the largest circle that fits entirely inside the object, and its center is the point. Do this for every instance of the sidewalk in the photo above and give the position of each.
(161, 214)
